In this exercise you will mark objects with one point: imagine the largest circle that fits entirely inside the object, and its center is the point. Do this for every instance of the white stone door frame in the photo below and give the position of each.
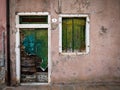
(17, 49)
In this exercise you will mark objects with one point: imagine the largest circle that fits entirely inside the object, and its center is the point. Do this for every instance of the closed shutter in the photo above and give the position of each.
(73, 34)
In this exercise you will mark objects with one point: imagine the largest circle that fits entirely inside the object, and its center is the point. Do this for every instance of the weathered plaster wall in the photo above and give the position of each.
(102, 64)
(2, 30)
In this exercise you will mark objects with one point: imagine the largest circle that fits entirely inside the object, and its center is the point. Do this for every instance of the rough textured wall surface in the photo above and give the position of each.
(2, 30)
(102, 64)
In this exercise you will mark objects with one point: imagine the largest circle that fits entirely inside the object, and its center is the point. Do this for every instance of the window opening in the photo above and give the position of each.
(74, 34)
(33, 19)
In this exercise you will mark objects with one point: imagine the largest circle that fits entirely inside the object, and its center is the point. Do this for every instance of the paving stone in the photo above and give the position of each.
(63, 87)
(67, 87)
(8, 88)
(92, 88)
(103, 88)
(26, 88)
(78, 87)
(19, 88)
(55, 87)
(114, 87)
(96, 88)
(43, 87)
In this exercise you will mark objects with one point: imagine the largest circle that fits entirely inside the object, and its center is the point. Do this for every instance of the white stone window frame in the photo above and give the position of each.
(87, 34)
(17, 49)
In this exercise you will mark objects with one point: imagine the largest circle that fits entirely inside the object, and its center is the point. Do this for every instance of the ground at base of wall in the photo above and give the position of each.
(66, 87)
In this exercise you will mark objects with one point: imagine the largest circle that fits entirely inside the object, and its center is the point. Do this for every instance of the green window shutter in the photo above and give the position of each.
(82, 35)
(69, 35)
(73, 34)
(76, 34)
(64, 35)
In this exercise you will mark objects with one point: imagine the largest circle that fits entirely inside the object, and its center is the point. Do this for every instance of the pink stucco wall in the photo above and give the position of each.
(2, 38)
(2, 21)
(102, 64)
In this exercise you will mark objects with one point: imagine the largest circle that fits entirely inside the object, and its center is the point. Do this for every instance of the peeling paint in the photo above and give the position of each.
(83, 4)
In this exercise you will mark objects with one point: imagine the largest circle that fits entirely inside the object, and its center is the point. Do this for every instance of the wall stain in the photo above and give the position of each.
(89, 69)
(54, 26)
(103, 30)
(83, 4)
(118, 68)
(74, 74)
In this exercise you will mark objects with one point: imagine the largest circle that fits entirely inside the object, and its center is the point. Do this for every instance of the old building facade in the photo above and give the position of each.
(64, 42)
